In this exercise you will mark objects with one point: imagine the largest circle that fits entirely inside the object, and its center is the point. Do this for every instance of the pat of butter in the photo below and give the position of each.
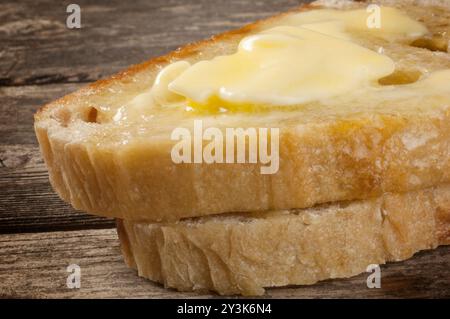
(159, 95)
(309, 56)
(384, 22)
(283, 66)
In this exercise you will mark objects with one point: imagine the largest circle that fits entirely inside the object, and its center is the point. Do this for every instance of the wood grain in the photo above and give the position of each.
(41, 60)
(18, 105)
(34, 265)
(27, 201)
(38, 48)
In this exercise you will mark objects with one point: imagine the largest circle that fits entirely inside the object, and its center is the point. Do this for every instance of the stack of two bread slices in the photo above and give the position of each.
(363, 182)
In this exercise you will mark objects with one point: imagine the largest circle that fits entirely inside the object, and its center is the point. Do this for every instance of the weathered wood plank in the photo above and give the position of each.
(34, 265)
(27, 201)
(37, 47)
(18, 105)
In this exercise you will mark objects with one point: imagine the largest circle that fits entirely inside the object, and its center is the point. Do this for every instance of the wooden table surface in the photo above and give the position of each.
(40, 60)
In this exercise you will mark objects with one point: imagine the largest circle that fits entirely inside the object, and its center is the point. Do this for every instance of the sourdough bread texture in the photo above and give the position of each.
(354, 147)
(242, 254)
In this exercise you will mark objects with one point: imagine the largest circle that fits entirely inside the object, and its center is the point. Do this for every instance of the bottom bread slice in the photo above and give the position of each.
(243, 253)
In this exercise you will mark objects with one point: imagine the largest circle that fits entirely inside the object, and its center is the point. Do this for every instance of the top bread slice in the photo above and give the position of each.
(355, 147)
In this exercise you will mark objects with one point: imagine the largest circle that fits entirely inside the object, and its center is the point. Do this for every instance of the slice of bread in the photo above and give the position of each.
(242, 254)
(354, 147)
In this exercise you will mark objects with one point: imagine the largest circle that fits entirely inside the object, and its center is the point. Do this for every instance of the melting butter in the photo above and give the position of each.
(384, 22)
(284, 65)
(432, 84)
(159, 95)
(160, 92)
(309, 56)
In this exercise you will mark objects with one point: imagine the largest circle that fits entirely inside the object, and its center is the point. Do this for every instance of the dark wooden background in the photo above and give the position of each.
(40, 60)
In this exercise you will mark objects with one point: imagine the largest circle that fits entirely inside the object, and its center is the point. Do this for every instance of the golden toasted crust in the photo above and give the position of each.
(327, 157)
(243, 254)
